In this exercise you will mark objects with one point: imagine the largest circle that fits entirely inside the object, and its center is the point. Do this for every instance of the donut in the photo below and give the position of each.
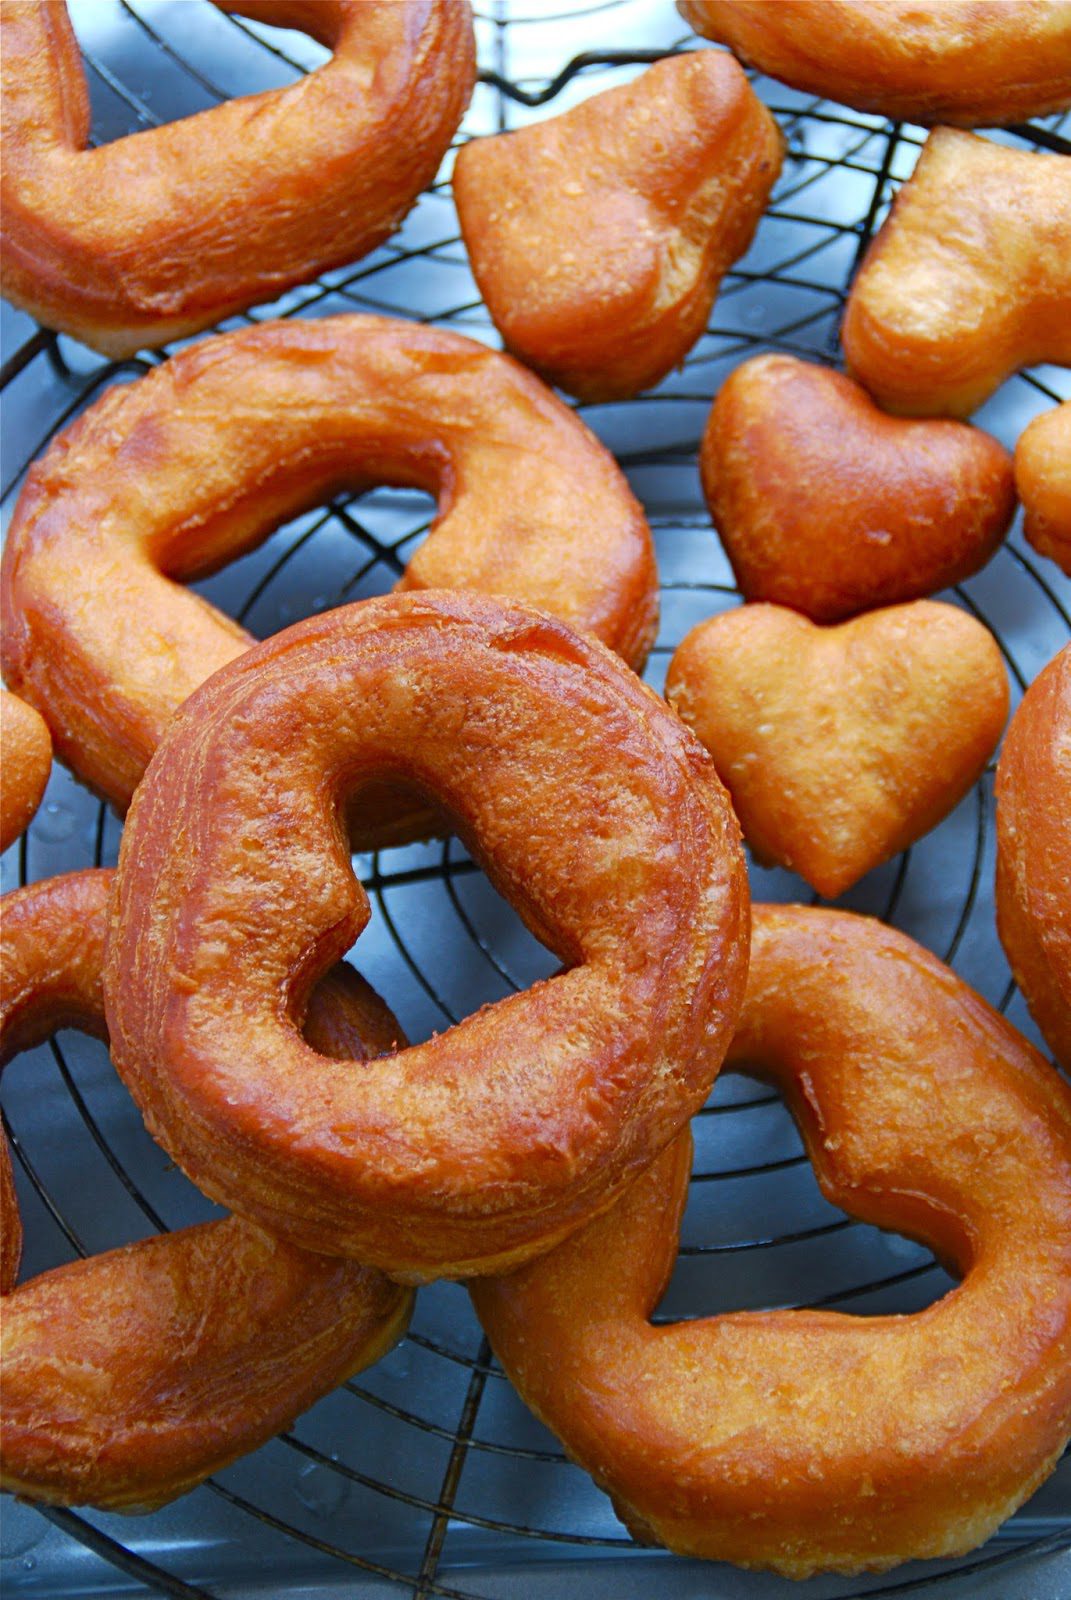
(27, 761)
(841, 746)
(130, 1376)
(188, 467)
(593, 811)
(163, 233)
(1043, 479)
(807, 1440)
(967, 62)
(968, 279)
(825, 504)
(1033, 791)
(599, 238)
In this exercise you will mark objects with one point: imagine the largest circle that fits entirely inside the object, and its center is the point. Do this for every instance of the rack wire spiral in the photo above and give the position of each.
(426, 1476)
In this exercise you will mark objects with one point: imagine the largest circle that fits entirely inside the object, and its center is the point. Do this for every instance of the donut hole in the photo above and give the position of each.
(348, 547)
(758, 1234)
(441, 942)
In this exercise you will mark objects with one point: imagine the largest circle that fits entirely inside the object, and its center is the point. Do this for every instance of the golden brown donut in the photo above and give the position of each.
(599, 238)
(131, 1376)
(808, 1441)
(968, 280)
(1033, 792)
(181, 471)
(165, 232)
(25, 760)
(1043, 479)
(592, 809)
(825, 504)
(841, 746)
(969, 62)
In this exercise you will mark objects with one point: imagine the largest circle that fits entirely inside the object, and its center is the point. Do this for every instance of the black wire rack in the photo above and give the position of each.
(426, 1475)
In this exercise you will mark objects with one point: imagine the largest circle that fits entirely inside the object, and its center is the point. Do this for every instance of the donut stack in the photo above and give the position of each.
(539, 1149)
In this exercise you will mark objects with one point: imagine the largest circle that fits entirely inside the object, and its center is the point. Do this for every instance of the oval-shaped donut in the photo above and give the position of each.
(591, 808)
(165, 232)
(131, 1376)
(183, 470)
(1033, 791)
(25, 763)
(968, 62)
(809, 1440)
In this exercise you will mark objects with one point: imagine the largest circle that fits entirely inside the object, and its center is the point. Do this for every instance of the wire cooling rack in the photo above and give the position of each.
(426, 1475)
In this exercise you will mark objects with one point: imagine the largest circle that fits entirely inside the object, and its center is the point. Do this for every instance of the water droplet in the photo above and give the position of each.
(319, 1489)
(54, 823)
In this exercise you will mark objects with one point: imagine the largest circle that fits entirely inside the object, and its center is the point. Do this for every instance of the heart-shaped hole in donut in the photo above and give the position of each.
(758, 1234)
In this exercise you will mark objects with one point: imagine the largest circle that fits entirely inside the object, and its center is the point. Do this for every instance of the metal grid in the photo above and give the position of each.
(426, 1476)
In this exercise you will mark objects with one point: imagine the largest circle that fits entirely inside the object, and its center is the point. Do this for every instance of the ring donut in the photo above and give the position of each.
(1033, 791)
(131, 1376)
(967, 62)
(592, 809)
(163, 233)
(27, 762)
(183, 470)
(807, 1441)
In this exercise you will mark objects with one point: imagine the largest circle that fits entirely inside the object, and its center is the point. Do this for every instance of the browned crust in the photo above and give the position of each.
(594, 812)
(968, 62)
(183, 470)
(129, 1377)
(841, 746)
(25, 764)
(1033, 792)
(808, 1441)
(1043, 479)
(825, 504)
(968, 280)
(599, 238)
(163, 233)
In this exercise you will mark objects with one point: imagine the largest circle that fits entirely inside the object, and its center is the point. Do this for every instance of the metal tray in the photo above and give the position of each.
(426, 1475)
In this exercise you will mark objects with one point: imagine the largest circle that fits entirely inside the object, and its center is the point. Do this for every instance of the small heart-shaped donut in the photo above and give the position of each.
(840, 746)
(825, 504)
(968, 280)
(599, 237)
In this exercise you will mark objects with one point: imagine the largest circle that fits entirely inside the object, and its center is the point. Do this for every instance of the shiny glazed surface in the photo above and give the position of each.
(825, 504)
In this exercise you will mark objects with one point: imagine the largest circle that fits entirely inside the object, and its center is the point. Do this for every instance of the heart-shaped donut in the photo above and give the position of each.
(147, 238)
(840, 746)
(592, 809)
(825, 504)
(599, 238)
(808, 1440)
